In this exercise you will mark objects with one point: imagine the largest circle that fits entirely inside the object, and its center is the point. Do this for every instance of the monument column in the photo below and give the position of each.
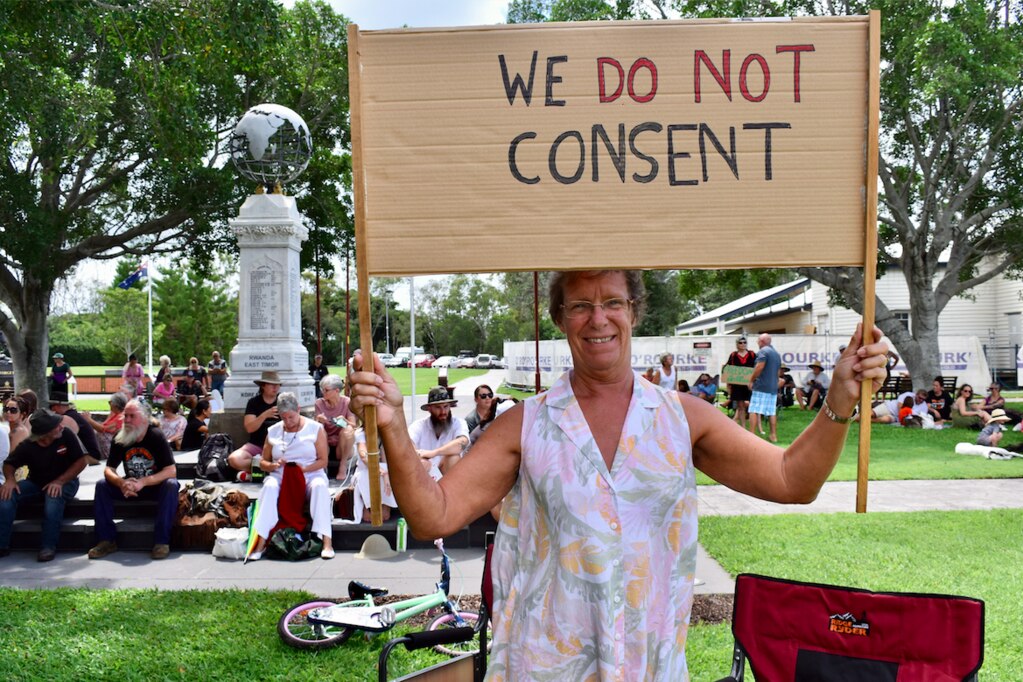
(270, 233)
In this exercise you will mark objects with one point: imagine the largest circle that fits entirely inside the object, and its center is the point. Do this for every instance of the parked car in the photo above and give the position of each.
(499, 363)
(385, 358)
(484, 361)
(424, 360)
(466, 354)
(396, 361)
(466, 363)
(445, 361)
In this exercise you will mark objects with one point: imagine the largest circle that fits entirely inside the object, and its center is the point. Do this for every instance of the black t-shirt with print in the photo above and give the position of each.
(145, 458)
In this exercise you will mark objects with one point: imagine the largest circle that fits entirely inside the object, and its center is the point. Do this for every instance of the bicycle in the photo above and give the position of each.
(322, 624)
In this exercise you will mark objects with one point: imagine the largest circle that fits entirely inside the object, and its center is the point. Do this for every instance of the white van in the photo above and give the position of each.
(402, 355)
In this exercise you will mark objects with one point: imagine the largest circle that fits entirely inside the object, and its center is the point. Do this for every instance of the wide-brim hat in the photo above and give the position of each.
(59, 398)
(817, 365)
(376, 546)
(42, 422)
(999, 416)
(268, 377)
(438, 396)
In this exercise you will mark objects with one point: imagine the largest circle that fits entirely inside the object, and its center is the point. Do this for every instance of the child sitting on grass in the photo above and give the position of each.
(991, 435)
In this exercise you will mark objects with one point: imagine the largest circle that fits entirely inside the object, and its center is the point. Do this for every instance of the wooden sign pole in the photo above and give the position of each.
(369, 416)
(870, 246)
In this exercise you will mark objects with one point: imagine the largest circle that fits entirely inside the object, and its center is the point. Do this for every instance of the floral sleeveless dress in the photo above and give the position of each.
(593, 569)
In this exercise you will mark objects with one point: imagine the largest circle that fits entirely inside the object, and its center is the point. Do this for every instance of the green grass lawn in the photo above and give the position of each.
(972, 553)
(78, 634)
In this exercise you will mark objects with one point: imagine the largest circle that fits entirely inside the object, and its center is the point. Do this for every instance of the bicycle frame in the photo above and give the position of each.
(370, 617)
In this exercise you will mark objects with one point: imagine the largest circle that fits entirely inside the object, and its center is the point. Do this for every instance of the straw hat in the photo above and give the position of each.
(376, 546)
(999, 416)
(268, 377)
(817, 365)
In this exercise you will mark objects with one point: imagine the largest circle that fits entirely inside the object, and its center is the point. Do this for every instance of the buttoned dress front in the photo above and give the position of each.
(593, 569)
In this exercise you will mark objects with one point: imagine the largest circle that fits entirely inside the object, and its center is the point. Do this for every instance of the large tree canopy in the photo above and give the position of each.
(116, 118)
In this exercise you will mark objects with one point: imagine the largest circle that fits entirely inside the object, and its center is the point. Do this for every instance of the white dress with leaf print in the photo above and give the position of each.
(593, 570)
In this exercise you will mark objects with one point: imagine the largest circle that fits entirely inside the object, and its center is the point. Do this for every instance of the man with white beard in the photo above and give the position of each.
(149, 473)
(441, 437)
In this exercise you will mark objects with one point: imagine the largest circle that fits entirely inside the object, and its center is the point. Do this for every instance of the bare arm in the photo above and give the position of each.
(252, 422)
(475, 485)
(750, 465)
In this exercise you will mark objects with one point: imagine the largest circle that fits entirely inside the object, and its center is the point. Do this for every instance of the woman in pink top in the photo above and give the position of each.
(132, 375)
(333, 404)
(164, 390)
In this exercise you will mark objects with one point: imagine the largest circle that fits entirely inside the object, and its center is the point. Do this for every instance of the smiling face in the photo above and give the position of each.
(601, 341)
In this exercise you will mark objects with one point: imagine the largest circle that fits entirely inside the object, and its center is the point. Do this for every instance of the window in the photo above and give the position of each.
(903, 317)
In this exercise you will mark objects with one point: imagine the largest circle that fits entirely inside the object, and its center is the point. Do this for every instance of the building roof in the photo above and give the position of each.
(794, 295)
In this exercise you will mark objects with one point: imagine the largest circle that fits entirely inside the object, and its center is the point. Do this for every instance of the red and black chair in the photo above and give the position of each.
(791, 631)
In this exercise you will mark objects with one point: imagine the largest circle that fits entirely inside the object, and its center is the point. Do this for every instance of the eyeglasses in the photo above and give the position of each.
(577, 309)
(485, 396)
(740, 343)
(11, 410)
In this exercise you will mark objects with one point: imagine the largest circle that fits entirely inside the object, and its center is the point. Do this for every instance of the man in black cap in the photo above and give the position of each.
(440, 437)
(77, 424)
(54, 458)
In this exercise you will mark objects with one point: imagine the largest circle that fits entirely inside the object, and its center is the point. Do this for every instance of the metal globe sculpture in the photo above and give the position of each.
(271, 145)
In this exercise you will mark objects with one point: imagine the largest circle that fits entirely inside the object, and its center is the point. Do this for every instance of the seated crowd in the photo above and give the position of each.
(43, 451)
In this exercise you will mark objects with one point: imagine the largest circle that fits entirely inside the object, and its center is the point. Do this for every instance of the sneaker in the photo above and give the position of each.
(160, 551)
(327, 553)
(101, 550)
(45, 554)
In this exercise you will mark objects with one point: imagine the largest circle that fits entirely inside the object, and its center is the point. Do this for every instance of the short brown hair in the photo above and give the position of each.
(633, 280)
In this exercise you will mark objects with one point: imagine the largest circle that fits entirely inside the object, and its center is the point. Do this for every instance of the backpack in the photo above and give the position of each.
(212, 464)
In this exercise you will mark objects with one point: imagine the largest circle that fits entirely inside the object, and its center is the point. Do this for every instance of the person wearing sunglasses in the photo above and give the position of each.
(598, 481)
(485, 407)
(16, 419)
(964, 414)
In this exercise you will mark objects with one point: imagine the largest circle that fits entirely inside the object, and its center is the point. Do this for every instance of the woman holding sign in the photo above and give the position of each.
(593, 567)
(739, 393)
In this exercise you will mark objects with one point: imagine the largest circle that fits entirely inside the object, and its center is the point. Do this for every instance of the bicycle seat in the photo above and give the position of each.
(357, 590)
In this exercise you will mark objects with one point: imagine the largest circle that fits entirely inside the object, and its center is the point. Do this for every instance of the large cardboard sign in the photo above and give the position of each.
(700, 144)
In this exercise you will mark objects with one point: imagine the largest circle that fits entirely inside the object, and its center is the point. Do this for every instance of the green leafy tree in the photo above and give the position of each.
(196, 313)
(124, 324)
(115, 129)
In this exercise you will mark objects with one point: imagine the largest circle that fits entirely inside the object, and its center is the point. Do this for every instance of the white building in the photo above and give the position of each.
(991, 312)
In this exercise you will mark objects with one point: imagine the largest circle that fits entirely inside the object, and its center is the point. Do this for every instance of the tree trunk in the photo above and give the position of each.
(922, 357)
(30, 347)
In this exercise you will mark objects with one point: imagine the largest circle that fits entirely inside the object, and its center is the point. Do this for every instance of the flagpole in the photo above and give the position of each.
(149, 288)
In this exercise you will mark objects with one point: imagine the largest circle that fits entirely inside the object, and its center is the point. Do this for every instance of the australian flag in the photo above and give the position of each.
(139, 273)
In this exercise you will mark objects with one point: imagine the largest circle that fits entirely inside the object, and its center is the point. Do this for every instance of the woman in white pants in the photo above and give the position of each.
(304, 442)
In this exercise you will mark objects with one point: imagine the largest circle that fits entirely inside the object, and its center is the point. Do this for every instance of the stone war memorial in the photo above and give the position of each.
(270, 146)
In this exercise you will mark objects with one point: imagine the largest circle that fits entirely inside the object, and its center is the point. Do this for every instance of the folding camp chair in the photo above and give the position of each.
(467, 668)
(800, 632)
